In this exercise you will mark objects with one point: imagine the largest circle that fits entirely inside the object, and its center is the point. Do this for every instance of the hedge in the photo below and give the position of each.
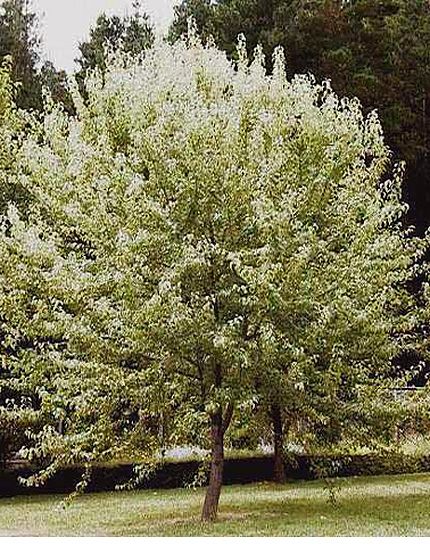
(236, 471)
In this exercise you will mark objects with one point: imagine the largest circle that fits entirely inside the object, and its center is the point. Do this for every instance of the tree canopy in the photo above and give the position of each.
(206, 238)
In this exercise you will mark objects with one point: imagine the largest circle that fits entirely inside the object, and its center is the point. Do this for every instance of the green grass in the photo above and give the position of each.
(367, 506)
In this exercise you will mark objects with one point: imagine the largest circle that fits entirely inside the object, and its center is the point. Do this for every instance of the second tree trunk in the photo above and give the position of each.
(210, 507)
(278, 440)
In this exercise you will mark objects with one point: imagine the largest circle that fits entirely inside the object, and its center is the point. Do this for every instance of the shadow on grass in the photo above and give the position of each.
(377, 506)
(289, 514)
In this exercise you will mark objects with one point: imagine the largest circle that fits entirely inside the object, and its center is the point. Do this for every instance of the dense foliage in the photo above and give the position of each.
(205, 239)
(377, 51)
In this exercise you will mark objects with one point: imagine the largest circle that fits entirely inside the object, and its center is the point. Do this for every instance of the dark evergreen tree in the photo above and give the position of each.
(19, 39)
(56, 82)
(202, 12)
(132, 34)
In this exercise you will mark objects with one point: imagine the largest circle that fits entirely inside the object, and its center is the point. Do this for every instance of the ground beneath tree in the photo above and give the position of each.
(365, 506)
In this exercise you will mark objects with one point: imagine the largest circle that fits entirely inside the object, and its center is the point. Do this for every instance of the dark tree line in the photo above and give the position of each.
(19, 40)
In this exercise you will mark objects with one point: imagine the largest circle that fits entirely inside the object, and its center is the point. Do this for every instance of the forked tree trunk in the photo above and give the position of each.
(218, 429)
(278, 440)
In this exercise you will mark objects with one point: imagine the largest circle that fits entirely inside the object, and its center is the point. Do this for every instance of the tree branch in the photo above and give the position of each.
(227, 416)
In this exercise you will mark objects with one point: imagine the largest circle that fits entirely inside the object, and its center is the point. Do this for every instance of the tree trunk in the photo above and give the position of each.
(218, 429)
(210, 507)
(278, 437)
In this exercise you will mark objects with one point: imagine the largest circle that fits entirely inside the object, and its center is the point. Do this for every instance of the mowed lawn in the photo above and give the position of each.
(366, 506)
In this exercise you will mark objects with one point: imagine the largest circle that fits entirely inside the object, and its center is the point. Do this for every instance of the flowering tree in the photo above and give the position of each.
(204, 237)
(13, 126)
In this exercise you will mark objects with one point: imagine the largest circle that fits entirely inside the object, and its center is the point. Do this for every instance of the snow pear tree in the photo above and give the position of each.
(204, 237)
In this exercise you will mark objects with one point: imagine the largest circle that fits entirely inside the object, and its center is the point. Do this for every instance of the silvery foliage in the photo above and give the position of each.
(202, 234)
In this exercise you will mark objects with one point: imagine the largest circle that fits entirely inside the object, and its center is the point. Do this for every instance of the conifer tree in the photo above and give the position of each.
(19, 39)
(131, 34)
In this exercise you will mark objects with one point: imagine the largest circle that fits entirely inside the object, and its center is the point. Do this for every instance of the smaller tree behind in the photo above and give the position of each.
(131, 34)
(56, 82)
